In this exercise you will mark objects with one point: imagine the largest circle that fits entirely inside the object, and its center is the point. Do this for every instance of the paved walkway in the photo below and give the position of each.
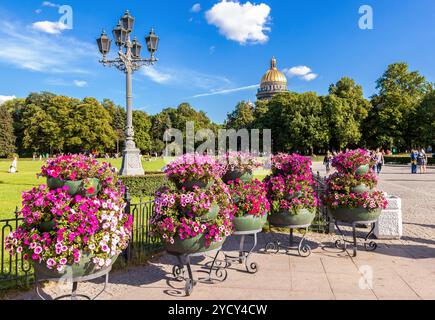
(402, 269)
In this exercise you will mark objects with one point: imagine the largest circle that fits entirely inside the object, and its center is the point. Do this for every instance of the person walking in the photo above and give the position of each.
(414, 155)
(380, 161)
(327, 162)
(422, 161)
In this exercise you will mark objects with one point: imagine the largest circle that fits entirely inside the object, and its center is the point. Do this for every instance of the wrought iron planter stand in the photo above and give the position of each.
(75, 281)
(179, 270)
(304, 249)
(368, 245)
(244, 256)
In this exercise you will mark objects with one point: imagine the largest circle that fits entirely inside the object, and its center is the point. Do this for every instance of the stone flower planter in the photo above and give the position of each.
(74, 187)
(286, 218)
(244, 176)
(249, 223)
(47, 226)
(211, 215)
(360, 189)
(191, 246)
(84, 268)
(352, 215)
(362, 170)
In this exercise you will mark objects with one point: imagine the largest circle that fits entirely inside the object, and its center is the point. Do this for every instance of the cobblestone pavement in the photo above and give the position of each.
(402, 269)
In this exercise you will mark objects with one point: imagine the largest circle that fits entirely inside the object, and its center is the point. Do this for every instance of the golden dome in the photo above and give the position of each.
(274, 75)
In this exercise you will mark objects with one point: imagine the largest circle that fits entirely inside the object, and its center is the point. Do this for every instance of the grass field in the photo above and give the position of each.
(12, 185)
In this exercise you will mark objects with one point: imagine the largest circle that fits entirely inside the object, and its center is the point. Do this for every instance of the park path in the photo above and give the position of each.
(402, 269)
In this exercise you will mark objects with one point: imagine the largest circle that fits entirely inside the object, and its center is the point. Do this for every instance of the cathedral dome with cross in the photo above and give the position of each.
(273, 82)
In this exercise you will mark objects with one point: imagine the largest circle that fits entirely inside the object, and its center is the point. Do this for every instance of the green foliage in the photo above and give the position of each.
(177, 119)
(7, 137)
(242, 117)
(142, 130)
(50, 123)
(346, 109)
(391, 121)
(296, 121)
(424, 122)
(147, 185)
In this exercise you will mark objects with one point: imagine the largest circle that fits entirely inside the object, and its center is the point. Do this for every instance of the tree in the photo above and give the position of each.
(15, 108)
(91, 128)
(345, 109)
(7, 137)
(242, 117)
(390, 122)
(296, 122)
(425, 121)
(118, 115)
(142, 130)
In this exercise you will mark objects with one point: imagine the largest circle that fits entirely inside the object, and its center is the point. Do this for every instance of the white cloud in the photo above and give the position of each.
(297, 71)
(50, 4)
(80, 83)
(243, 23)
(227, 91)
(38, 11)
(212, 49)
(196, 8)
(302, 72)
(310, 76)
(157, 76)
(186, 78)
(40, 52)
(49, 27)
(3, 99)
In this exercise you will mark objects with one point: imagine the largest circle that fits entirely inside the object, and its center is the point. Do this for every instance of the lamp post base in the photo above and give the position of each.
(131, 163)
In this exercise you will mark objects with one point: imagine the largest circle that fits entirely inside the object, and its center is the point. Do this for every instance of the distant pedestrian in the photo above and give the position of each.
(414, 156)
(380, 161)
(327, 162)
(14, 166)
(422, 161)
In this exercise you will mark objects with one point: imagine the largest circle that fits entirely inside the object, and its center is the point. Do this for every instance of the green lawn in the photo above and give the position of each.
(12, 185)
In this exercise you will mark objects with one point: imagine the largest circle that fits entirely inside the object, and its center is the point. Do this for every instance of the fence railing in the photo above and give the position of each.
(15, 271)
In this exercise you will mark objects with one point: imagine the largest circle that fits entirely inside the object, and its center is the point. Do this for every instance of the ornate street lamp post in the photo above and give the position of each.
(129, 60)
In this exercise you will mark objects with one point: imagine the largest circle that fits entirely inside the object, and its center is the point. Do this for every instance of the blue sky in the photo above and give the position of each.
(212, 53)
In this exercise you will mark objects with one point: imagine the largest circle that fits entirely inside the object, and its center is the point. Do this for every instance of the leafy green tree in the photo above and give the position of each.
(296, 122)
(242, 117)
(118, 115)
(345, 108)
(390, 122)
(41, 132)
(425, 121)
(92, 128)
(7, 137)
(142, 130)
(15, 108)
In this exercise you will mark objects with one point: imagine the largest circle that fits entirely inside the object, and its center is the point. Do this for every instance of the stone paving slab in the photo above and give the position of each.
(401, 269)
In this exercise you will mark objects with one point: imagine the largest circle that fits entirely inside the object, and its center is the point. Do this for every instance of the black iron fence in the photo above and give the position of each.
(15, 271)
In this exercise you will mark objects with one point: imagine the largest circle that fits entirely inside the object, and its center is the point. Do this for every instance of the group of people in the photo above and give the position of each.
(377, 156)
(419, 159)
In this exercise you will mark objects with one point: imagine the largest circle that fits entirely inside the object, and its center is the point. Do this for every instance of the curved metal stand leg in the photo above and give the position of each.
(370, 246)
(355, 244)
(251, 267)
(343, 241)
(304, 249)
(190, 282)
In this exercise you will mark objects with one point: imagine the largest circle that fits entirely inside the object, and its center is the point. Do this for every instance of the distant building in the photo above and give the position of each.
(273, 82)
